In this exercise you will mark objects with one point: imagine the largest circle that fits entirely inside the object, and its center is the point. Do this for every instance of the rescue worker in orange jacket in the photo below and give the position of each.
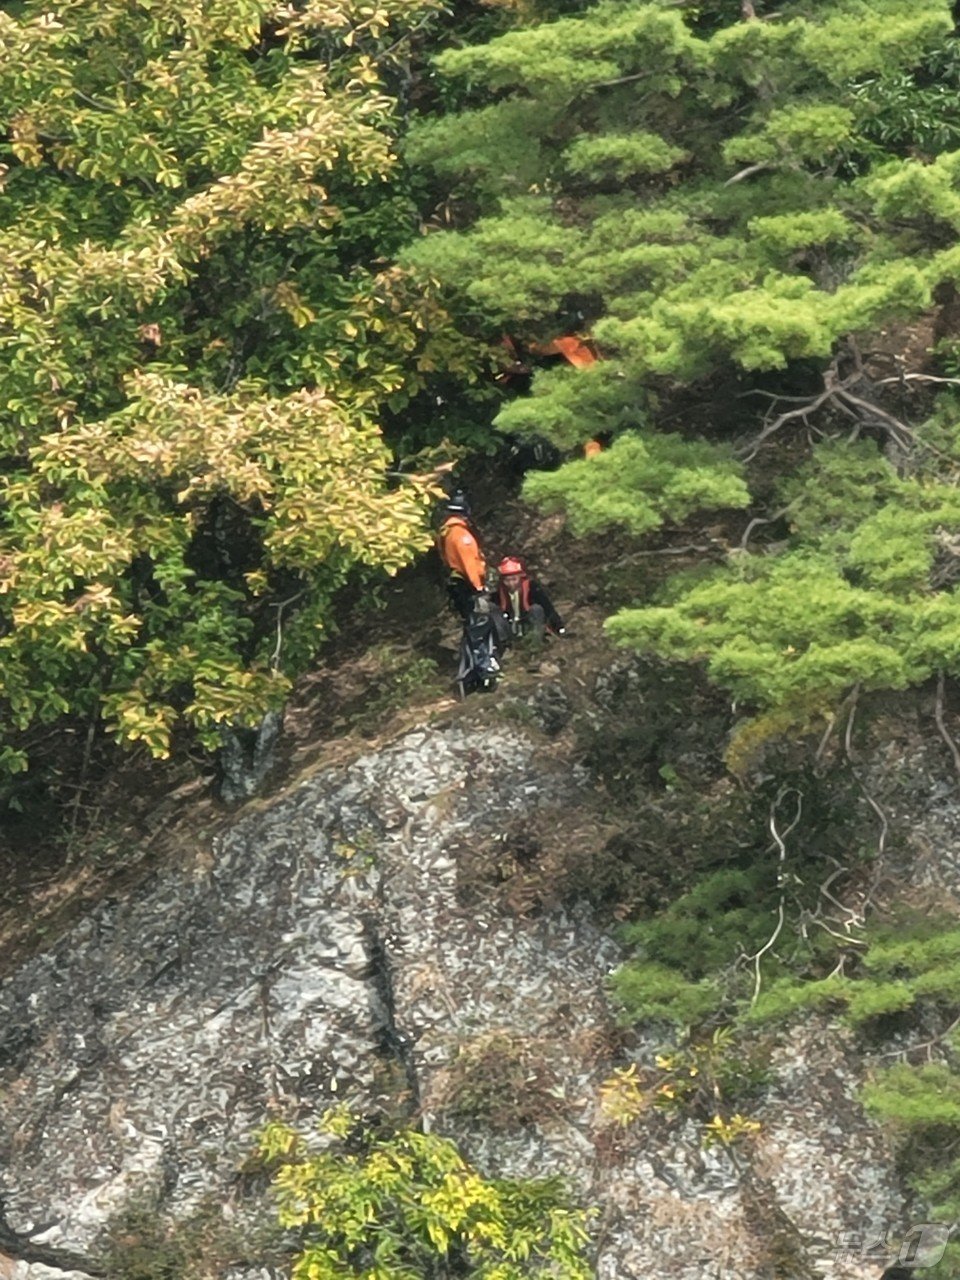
(525, 605)
(460, 551)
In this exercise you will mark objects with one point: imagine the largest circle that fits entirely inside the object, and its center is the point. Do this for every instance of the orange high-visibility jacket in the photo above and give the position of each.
(460, 551)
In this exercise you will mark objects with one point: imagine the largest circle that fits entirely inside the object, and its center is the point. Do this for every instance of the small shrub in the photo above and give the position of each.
(501, 1079)
(380, 1201)
(705, 929)
(622, 1097)
(728, 1133)
(915, 1099)
(145, 1243)
(902, 969)
(921, 1106)
(791, 995)
(701, 1079)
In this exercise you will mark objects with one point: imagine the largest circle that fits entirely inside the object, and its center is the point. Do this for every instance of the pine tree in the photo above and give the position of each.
(719, 198)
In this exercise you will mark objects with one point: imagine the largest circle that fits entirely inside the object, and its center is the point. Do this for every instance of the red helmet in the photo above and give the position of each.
(510, 565)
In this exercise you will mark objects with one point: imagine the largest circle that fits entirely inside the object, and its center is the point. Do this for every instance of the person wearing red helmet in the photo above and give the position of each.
(526, 607)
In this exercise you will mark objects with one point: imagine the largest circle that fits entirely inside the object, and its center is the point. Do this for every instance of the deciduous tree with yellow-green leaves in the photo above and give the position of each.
(387, 1203)
(199, 330)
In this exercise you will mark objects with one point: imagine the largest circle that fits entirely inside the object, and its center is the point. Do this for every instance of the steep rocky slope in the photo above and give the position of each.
(424, 919)
(330, 945)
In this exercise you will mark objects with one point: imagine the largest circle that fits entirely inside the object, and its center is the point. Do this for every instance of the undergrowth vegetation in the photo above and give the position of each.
(376, 1200)
(142, 1242)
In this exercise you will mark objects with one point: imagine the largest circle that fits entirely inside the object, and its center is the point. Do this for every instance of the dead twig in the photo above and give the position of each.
(833, 719)
(942, 726)
(824, 741)
(917, 377)
(758, 520)
(81, 786)
(926, 1045)
(670, 551)
(780, 842)
(748, 172)
(280, 606)
(802, 412)
(854, 918)
(867, 795)
(849, 395)
(899, 430)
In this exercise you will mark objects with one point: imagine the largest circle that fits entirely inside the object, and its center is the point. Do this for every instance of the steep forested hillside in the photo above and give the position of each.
(743, 211)
(270, 268)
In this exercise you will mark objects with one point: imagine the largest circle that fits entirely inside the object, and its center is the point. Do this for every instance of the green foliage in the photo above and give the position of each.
(722, 1069)
(913, 111)
(647, 990)
(902, 970)
(404, 1205)
(694, 1078)
(858, 598)
(622, 93)
(197, 352)
(682, 965)
(621, 156)
(692, 953)
(921, 1106)
(704, 929)
(722, 196)
(787, 997)
(639, 482)
(556, 407)
(805, 132)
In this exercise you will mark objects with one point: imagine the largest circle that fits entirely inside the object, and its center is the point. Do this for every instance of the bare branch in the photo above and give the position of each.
(671, 551)
(851, 396)
(781, 882)
(758, 520)
(884, 824)
(925, 1044)
(748, 172)
(611, 84)
(833, 719)
(899, 429)
(791, 415)
(917, 377)
(280, 606)
(941, 723)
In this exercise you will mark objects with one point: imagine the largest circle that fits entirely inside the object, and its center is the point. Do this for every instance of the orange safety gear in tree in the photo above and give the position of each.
(580, 352)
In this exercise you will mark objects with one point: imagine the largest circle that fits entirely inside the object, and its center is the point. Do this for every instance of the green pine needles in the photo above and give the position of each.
(864, 595)
(640, 482)
(713, 197)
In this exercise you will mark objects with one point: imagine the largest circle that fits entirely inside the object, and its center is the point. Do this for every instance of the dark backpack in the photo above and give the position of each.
(479, 668)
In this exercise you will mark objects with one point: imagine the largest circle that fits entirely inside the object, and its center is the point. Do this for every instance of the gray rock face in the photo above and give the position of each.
(324, 940)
